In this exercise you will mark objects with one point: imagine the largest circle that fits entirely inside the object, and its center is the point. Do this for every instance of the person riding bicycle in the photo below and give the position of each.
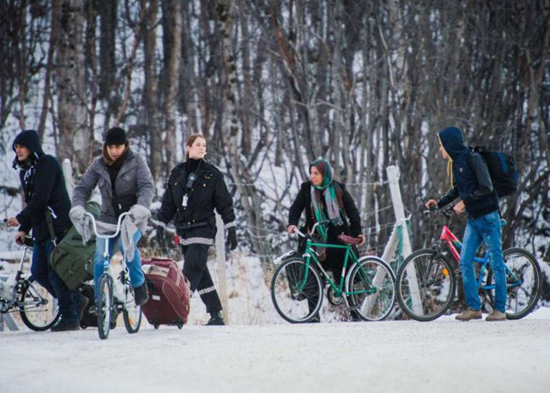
(45, 193)
(323, 198)
(126, 184)
(471, 181)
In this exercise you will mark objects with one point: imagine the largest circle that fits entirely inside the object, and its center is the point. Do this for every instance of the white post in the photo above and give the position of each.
(401, 221)
(68, 174)
(220, 259)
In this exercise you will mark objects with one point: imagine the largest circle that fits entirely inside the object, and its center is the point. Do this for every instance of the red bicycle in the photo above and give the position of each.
(427, 279)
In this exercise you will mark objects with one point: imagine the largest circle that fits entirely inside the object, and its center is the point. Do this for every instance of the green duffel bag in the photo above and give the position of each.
(72, 260)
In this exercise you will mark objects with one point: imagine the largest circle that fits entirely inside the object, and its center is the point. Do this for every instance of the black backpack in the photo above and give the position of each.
(502, 168)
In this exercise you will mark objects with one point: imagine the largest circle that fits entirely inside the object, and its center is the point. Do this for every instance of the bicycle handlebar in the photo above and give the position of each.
(446, 211)
(118, 226)
(304, 235)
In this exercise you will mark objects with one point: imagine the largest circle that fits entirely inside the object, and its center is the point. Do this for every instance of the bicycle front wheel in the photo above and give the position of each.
(296, 291)
(38, 308)
(104, 305)
(371, 288)
(425, 285)
(523, 282)
(131, 312)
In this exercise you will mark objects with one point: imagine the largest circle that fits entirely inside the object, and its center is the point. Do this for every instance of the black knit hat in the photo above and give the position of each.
(115, 136)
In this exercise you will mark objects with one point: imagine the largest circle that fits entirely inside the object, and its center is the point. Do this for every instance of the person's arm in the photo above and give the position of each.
(298, 206)
(223, 202)
(83, 190)
(145, 184)
(448, 197)
(479, 166)
(168, 206)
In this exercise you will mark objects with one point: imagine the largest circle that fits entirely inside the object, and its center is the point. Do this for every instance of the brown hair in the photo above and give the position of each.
(190, 142)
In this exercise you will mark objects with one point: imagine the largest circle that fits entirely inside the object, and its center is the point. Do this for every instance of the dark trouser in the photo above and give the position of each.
(196, 271)
(42, 272)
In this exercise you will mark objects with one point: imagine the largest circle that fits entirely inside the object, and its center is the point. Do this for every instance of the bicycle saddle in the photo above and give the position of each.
(348, 239)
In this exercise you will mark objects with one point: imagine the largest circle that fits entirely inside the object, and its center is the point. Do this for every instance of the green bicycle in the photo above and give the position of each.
(297, 284)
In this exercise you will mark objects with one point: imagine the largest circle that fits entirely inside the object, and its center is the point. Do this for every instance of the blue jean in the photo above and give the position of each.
(137, 278)
(44, 274)
(484, 229)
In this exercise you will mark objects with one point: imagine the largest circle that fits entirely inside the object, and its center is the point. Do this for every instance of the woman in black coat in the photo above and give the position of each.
(195, 188)
(323, 198)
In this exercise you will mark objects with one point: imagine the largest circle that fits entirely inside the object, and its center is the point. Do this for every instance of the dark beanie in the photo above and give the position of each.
(115, 136)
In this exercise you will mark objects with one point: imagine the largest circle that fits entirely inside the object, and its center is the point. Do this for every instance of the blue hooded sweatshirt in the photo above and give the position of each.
(471, 178)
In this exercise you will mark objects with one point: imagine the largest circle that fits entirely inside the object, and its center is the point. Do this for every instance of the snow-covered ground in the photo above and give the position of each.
(441, 356)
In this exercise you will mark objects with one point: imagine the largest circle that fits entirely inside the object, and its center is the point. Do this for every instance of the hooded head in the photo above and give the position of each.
(325, 169)
(453, 143)
(31, 140)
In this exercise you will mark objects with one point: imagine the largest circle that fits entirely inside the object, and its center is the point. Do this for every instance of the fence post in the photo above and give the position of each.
(220, 260)
(401, 221)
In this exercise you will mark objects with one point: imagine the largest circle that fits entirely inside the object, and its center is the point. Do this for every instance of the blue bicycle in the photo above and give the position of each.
(114, 296)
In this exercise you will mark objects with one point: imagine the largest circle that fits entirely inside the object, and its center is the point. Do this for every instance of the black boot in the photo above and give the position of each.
(216, 318)
(141, 294)
(81, 304)
(64, 325)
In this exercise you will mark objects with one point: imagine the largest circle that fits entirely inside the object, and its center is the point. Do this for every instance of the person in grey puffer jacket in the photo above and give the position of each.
(124, 181)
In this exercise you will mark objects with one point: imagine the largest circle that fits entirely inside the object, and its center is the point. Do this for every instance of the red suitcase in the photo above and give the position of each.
(168, 293)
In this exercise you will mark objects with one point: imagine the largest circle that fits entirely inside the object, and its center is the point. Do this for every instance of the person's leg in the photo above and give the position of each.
(39, 266)
(99, 259)
(471, 242)
(490, 230)
(196, 271)
(137, 278)
(66, 299)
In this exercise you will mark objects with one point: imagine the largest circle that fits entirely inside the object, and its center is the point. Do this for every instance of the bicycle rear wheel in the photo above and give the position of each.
(371, 288)
(38, 308)
(131, 313)
(425, 285)
(296, 291)
(523, 282)
(104, 305)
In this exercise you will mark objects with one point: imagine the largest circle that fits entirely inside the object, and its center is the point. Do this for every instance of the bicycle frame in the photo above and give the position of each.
(455, 246)
(106, 259)
(310, 253)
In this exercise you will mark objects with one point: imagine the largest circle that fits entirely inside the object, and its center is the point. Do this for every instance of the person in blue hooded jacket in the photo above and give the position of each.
(44, 190)
(471, 182)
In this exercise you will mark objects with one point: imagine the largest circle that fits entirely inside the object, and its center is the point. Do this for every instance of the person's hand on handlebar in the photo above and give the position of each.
(431, 204)
(292, 228)
(362, 237)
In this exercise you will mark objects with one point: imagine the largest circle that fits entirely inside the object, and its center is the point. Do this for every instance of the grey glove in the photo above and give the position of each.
(77, 213)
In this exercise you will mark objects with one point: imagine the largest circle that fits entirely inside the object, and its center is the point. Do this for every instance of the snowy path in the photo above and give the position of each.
(442, 356)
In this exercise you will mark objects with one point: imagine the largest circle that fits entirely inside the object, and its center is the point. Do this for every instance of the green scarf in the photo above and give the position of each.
(333, 199)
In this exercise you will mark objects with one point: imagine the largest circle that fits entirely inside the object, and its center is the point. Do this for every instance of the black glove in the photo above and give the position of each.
(231, 241)
(161, 238)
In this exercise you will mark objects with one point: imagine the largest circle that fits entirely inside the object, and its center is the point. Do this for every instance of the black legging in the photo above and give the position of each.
(196, 271)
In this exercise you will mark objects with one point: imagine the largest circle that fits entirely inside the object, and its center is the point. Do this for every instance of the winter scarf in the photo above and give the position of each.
(333, 197)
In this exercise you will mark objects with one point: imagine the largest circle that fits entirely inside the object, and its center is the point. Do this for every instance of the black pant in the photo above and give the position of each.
(196, 271)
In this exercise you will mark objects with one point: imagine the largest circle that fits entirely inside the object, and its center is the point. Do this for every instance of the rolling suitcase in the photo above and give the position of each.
(168, 293)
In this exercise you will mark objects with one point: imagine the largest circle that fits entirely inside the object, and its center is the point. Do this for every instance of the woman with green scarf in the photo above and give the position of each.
(323, 198)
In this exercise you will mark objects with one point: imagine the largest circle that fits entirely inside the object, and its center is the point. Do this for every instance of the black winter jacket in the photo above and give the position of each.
(196, 222)
(303, 202)
(48, 190)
